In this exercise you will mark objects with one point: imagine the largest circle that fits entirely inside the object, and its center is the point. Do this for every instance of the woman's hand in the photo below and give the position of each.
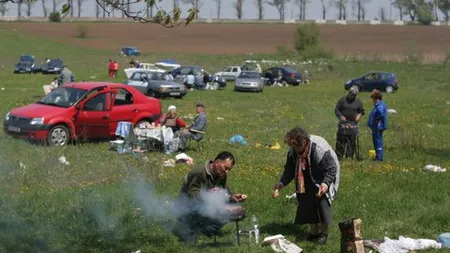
(322, 190)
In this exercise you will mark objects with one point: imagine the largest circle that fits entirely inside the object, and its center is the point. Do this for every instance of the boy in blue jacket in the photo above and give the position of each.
(378, 123)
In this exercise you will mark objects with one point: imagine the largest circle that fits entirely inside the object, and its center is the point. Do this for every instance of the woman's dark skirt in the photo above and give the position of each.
(311, 209)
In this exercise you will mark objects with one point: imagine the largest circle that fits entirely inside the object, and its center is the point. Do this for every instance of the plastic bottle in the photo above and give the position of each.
(255, 227)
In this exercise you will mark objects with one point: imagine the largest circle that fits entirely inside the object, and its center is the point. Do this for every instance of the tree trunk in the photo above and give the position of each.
(97, 10)
(123, 3)
(324, 11)
(363, 13)
(219, 7)
(79, 3)
(54, 6)
(29, 3)
(400, 10)
(44, 9)
(345, 12)
(19, 8)
(71, 8)
(260, 5)
(151, 12)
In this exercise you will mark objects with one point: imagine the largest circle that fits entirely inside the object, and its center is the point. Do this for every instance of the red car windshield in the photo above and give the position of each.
(63, 97)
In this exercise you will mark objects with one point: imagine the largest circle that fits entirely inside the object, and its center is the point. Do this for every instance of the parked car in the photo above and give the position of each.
(81, 110)
(229, 73)
(53, 66)
(156, 84)
(26, 67)
(249, 81)
(383, 81)
(284, 75)
(26, 58)
(180, 73)
(129, 51)
(250, 65)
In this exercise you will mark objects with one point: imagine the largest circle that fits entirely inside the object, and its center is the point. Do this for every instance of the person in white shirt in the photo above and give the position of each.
(51, 87)
(189, 80)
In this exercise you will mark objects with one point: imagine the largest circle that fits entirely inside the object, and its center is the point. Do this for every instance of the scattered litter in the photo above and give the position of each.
(281, 244)
(137, 251)
(220, 118)
(292, 197)
(273, 147)
(3, 88)
(434, 168)
(145, 159)
(183, 158)
(189, 116)
(405, 244)
(429, 125)
(22, 166)
(238, 139)
(392, 111)
(169, 163)
(93, 77)
(448, 102)
(63, 160)
(444, 239)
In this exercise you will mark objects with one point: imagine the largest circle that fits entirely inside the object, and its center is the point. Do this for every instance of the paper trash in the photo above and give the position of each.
(280, 244)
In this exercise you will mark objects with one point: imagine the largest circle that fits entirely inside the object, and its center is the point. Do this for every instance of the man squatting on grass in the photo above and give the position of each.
(196, 216)
(314, 166)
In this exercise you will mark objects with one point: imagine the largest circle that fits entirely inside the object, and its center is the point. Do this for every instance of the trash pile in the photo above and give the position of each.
(434, 168)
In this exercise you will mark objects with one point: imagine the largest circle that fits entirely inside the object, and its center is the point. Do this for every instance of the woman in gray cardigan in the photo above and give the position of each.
(314, 166)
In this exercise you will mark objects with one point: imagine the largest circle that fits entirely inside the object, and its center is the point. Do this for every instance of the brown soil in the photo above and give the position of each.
(362, 41)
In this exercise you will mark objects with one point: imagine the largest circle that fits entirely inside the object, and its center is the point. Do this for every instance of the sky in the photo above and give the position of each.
(209, 9)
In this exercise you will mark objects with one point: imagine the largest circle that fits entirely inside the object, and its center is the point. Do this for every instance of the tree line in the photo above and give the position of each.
(413, 9)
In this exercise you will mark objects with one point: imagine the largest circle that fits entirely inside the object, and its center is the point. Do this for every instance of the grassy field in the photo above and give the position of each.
(94, 204)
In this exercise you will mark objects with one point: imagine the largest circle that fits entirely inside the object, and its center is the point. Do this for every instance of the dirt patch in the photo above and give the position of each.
(362, 41)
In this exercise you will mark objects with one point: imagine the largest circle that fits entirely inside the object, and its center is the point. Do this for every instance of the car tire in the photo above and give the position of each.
(389, 89)
(355, 87)
(58, 135)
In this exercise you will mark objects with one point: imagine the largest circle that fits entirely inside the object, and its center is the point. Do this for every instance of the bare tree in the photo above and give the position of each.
(398, 5)
(302, 8)
(341, 5)
(444, 7)
(325, 7)
(382, 14)
(29, 5)
(360, 8)
(280, 5)
(97, 11)
(79, 4)
(3, 9)
(196, 4)
(175, 4)
(219, 8)
(149, 10)
(238, 7)
(44, 8)
(260, 5)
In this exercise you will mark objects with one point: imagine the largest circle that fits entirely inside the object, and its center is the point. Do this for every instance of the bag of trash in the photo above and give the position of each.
(238, 139)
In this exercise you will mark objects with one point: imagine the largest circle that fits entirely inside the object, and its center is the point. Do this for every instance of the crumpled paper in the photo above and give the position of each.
(280, 244)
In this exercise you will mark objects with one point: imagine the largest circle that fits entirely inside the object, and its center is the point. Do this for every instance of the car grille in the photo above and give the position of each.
(174, 88)
(18, 121)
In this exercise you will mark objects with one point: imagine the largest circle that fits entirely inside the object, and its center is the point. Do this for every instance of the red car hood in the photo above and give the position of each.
(38, 110)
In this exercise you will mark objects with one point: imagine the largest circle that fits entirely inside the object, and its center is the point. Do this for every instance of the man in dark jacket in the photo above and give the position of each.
(204, 198)
(378, 123)
(349, 111)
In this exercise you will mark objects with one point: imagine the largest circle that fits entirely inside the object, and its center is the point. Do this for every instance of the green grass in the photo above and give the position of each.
(91, 205)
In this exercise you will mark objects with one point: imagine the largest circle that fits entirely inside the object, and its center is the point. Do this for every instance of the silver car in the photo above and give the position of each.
(249, 81)
(156, 84)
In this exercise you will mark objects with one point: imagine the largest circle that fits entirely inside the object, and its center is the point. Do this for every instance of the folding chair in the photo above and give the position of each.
(200, 141)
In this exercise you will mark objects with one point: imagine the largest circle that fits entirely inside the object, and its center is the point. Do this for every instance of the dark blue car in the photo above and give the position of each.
(129, 51)
(382, 81)
(53, 66)
(284, 75)
(26, 65)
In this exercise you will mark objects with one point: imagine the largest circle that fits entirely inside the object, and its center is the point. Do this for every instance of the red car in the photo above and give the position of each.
(81, 110)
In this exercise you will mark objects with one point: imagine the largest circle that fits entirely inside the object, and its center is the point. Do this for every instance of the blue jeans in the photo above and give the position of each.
(377, 136)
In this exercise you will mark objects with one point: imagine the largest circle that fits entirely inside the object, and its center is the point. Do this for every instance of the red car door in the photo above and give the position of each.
(123, 108)
(93, 116)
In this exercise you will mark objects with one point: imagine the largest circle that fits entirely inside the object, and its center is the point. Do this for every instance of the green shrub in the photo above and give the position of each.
(447, 58)
(308, 42)
(54, 17)
(285, 51)
(425, 15)
(82, 31)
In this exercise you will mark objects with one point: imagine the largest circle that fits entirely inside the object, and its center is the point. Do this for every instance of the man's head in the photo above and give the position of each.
(352, 93)
(222, 164)
(298, 139)
(199, 108)
(376, 96)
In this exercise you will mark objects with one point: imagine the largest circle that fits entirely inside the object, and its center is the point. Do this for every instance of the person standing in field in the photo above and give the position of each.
(115, 68)
(349, 111)
(66, 76)
(111, 68)
(315, 169)
(378, 123)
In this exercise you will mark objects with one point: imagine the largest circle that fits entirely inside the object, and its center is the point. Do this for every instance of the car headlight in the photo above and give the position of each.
(56, 69)
(7, 116)
(162, 89)
(37, 121)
